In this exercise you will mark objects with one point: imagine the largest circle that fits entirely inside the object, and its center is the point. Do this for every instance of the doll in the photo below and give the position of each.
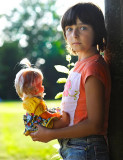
(28, 85)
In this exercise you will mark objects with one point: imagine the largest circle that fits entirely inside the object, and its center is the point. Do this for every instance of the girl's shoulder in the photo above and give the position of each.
(97, 68)
(93, 66)
(94, 62)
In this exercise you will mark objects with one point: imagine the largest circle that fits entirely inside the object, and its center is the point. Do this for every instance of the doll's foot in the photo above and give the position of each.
(27, 133)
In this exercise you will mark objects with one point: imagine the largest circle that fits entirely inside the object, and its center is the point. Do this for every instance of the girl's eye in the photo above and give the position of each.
(83, 28)
(69, 29)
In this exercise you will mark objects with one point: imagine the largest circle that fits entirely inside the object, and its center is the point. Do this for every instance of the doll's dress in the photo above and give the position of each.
(37, 113)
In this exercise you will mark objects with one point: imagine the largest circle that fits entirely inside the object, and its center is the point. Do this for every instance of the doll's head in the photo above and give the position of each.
(28, 81)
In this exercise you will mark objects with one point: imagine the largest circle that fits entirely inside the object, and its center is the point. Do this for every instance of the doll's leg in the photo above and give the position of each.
(47, 115)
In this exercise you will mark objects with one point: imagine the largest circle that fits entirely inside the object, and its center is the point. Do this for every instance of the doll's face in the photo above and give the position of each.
(39, 88)
(33, 85)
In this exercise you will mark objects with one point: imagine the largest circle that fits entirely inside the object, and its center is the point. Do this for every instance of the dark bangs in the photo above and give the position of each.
(77, 11)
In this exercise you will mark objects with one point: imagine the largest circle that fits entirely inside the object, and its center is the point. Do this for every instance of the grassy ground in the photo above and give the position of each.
(13, 144)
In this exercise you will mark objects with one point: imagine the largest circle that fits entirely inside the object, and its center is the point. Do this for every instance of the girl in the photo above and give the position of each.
(28, 84)
(88, 88)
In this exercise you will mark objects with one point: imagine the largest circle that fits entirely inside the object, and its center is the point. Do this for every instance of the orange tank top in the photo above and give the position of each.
(74, 98)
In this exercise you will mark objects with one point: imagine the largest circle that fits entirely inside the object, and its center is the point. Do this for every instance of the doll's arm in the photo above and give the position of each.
(63, 122)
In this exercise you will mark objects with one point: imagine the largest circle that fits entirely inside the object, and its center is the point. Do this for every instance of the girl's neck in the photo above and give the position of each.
(86, 54)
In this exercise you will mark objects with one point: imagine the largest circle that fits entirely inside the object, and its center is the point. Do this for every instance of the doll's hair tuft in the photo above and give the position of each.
(26, 63)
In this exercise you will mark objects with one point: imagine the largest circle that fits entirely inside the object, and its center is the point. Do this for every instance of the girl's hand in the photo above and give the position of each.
(44, 134)
(41, 135)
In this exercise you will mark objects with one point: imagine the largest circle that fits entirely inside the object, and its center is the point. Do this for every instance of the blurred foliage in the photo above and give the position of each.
(10, 54)
(66, 70)
(32, 32)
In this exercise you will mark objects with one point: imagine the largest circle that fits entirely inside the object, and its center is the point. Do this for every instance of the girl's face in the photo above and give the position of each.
(80, 37)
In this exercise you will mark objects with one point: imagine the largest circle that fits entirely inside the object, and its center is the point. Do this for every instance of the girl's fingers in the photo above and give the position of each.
(40, 135)
(34, 139)
(32, 135)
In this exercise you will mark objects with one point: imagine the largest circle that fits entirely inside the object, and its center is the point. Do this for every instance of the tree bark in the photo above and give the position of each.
(114, 24)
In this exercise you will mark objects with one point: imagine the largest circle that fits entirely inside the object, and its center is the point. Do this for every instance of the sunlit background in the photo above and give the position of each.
(33, 32)
(6, 6)
(31, 28)
(61, 6)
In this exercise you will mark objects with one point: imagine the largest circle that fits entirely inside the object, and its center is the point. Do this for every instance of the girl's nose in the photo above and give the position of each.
(75, 33)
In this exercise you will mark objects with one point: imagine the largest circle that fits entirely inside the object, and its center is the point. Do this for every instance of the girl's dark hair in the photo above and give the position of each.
(89, 14)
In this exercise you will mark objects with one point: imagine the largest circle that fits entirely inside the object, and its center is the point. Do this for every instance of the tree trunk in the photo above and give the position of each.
(114, 24)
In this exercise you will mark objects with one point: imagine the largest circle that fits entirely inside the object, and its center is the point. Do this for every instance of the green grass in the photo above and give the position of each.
(13, 144)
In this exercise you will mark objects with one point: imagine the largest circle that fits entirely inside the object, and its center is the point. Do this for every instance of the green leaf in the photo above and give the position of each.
(59, 95)
(72, 64)
(62, 69)
(61, 80)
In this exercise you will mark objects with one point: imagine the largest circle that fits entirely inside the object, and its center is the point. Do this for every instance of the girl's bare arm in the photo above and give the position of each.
(63, 122)
(93, 125)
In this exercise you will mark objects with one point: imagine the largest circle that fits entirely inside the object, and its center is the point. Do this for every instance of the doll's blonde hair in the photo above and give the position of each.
(28, 81)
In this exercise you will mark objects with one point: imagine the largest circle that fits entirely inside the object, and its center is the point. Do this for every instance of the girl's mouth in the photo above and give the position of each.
(76, 43)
